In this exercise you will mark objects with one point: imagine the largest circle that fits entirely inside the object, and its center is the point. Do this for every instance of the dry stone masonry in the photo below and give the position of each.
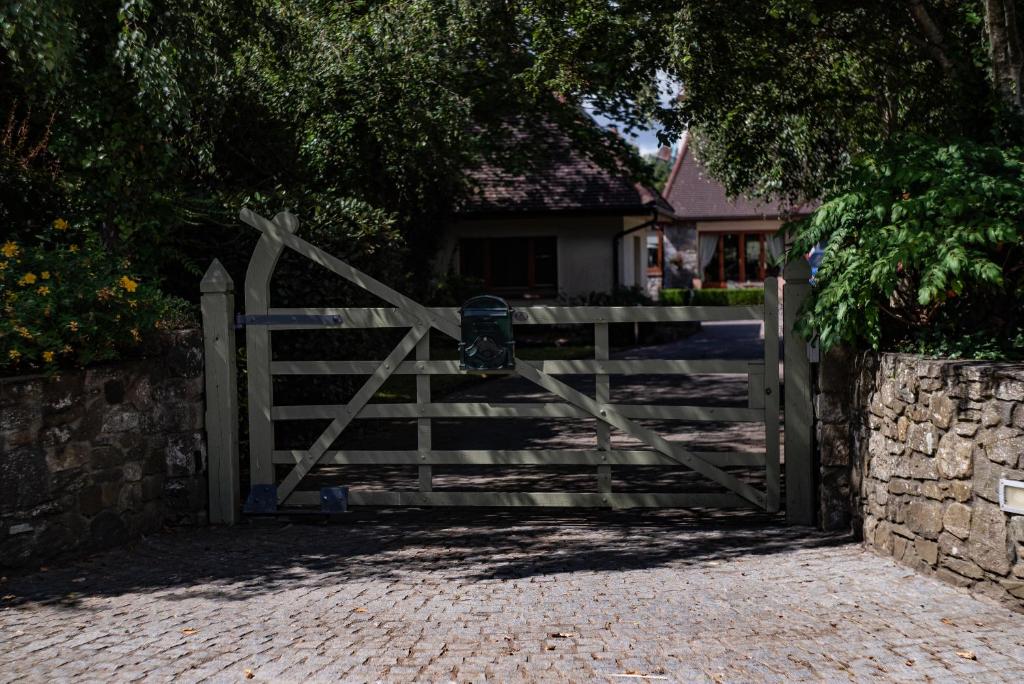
(912, 451)
(90, 459)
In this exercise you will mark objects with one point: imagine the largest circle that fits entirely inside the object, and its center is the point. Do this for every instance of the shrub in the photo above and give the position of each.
(68, 302)
(923, 252)
(713, 297)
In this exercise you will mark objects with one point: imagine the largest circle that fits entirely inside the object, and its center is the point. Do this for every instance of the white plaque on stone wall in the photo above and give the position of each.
(1011, 496)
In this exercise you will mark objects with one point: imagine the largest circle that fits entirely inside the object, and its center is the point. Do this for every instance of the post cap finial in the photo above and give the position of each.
(217, 279)
(797, 269)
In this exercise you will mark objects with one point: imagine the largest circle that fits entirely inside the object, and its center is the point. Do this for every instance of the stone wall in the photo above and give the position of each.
(912, 451)
(94, 458)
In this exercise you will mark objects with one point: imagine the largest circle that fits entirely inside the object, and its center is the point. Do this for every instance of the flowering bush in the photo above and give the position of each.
(68, 302)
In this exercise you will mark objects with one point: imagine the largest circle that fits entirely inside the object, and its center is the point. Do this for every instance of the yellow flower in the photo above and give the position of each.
(9, 249)
(128, 284)
(73, 326)
(3, 265)
(45, 275)
(60, 224)
(48, 356)
(23, 331)
(27, 279)
(135, 334)
(73, 249)
(14, 354)
(43, 290)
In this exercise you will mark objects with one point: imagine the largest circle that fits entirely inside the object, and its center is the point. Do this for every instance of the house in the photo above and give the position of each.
(719, 241)
(565, 228)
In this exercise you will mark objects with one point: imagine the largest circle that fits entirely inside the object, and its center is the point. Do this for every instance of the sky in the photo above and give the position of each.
(646, 140)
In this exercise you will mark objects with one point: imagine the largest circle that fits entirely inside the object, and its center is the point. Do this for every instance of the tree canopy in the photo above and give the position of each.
(149, 122)
(146, 118)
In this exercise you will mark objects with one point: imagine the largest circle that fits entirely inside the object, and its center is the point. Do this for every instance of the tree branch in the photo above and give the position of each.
(934, 41)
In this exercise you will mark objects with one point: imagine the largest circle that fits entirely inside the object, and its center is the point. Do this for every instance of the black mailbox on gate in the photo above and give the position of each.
(487, 342)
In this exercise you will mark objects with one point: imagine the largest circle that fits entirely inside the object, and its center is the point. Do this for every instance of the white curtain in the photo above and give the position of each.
(776, 249)
(708, 245)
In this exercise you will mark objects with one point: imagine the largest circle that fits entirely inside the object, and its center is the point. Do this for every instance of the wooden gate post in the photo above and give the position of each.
(218, 306)
(800, 487)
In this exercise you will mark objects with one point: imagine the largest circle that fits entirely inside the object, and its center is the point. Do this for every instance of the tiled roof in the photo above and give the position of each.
(696, 196)
(563, 180)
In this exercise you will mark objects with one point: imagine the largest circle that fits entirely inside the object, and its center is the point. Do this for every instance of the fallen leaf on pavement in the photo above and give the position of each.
(189, 631)
(359, 610)
(967, 655)
(249, 674)
(947, 621)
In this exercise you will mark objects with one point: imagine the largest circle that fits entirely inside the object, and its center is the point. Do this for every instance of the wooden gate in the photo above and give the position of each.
(412, 356)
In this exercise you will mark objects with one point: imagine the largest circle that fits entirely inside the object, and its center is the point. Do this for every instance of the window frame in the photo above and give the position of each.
(531, 288)
(659, 267)
(718, 260)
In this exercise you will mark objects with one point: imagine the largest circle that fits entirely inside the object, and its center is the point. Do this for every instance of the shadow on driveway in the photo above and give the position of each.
(263, 557)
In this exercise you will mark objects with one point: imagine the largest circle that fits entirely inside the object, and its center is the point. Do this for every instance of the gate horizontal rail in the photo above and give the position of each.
(539, 499)
(555, 367)
(524, 410)
(383, 317)
(568, 457)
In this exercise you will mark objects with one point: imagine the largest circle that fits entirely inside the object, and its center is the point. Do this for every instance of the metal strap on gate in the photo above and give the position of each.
(243, 320)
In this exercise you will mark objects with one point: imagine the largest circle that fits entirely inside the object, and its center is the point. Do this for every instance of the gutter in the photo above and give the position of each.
(617, 238)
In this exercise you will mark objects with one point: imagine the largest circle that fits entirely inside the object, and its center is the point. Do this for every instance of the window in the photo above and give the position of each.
(654, 251)
(738, 258)
(516, 266)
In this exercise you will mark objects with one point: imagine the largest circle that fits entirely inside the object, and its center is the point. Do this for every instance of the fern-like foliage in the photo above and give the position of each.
(923, 251)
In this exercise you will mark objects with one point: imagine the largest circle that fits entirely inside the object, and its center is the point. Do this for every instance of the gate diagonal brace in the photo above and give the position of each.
(450, 327)
(361, 398)
(610, 416)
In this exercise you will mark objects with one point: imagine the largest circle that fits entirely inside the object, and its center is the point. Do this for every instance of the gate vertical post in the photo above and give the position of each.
(602, 394)
(423, 436)
(771, 393)
(218, 307)
(799, 411)
(257, 351)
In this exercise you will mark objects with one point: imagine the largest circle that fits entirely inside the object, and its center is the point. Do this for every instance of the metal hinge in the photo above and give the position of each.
(243, 320)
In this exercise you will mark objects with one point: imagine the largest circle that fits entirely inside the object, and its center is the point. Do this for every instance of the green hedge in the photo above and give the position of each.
(712, 297)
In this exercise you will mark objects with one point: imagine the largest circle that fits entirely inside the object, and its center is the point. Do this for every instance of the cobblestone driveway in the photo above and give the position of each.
(501, 597)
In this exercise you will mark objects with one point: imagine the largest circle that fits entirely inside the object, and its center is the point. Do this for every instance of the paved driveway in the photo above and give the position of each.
(422, 596)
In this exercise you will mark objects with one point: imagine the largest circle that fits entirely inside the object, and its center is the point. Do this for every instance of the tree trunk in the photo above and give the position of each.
(1005, 50)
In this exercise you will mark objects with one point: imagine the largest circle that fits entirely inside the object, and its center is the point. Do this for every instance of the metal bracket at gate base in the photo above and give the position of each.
(262, 499)
(243, 320)
(334, 499)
